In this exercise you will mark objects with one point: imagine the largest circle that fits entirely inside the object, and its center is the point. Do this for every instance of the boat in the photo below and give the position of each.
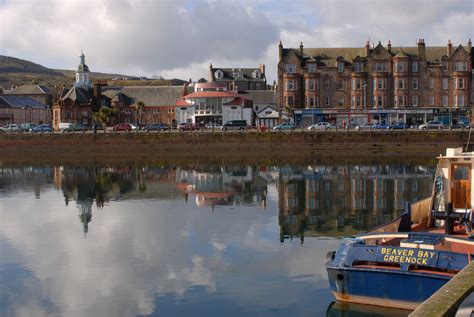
(402, 263)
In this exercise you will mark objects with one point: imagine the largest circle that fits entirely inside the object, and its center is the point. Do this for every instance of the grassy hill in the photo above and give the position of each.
(15, 71)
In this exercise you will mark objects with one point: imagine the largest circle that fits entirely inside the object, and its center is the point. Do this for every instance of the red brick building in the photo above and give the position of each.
(376, 83)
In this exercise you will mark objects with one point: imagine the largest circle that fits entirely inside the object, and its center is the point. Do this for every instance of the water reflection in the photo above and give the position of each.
(178, 240)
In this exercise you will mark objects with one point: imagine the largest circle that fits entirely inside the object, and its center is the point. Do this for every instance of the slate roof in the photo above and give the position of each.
(20, 102)
(79, 95)
(267, 97)
(328, 55)
(247, 74)
(28, 90)
(152, 96)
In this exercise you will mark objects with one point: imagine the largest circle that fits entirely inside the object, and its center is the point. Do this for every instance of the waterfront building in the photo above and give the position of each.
(265, 106)
(376, 83)
(15, 109)
(34, 91)
(239, 78)
(213, 102)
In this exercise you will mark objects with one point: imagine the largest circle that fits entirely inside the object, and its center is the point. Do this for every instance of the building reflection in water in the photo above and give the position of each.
(312, 201)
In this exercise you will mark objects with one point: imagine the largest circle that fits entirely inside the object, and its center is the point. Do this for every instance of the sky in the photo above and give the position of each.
(180, 38)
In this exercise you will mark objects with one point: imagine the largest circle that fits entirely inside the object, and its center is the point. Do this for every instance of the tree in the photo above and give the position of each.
(139, 109)
(103, 115)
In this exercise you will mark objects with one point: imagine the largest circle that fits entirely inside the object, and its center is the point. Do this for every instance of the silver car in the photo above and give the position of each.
(11, 128)
(435, 124)
(322, 126)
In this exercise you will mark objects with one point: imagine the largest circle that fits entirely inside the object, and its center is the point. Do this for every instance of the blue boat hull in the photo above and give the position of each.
(390, 288)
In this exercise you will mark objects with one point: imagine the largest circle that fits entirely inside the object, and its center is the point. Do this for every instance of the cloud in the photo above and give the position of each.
(180, 38)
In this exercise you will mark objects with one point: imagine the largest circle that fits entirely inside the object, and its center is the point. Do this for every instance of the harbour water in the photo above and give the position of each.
(188, 240)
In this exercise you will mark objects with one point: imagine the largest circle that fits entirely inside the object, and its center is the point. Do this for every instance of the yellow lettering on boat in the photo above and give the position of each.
(406, 256)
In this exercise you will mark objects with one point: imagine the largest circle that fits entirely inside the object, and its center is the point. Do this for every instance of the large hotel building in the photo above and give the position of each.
(376, 83)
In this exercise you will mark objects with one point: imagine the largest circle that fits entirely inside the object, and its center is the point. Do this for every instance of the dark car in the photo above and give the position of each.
(381, 126)
(42, 128)
(123, 127)
(157, 127)
(399, 126)
(240, 125)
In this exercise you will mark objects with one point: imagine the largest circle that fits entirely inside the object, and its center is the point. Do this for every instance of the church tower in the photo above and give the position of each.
(82, 74)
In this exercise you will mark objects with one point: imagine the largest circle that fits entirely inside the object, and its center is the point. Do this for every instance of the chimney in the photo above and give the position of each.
(469, 45)
(367, 48)
(262, 68)
(389, 46)
(211, 73)
(280, 51)
(301, 48)
(450, 48)
(421, 50)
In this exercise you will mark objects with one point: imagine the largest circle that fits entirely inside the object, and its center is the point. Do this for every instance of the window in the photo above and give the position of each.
(311, 84)
(380, 67)
(311, 102)
(379, 101)
(358, 84)
(219, 74)
(340, 102)
(256, 74)
(290, 85)
(326, 100)
(340, 84)
(444, 66)
(317, 101)
(380, 84)
(414, 83)
(358, 67)
(290, 101)
(290, 68)
(237, 75)
(400, 83)
(431, 100)
(312, 68)
(340, 67)
(459, 83)
(358, 101)
(445, 83)
(400, 66)
(401, 99)
(414, 67)
(445, 101)
(460, 66)
(353, 102)
(414, 101)
(395, 101)
(459, 100)
(327, 84)
(431, 83)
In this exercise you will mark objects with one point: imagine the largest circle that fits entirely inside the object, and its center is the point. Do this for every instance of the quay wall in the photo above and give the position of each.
(283, 145)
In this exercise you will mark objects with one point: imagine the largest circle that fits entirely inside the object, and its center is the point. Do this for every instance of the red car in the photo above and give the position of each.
(123, 127)
(187, 127)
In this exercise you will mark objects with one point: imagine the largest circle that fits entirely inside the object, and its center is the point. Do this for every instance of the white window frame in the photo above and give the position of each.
(414, 67)
(444, 100)
(414, 100)
(312, 68)
(431, 100)
(290, 85)
(414, 83)
(431, 83)
(290, 68)
(445, 83)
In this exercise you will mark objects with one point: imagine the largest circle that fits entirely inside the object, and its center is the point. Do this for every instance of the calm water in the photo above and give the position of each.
(191, 240)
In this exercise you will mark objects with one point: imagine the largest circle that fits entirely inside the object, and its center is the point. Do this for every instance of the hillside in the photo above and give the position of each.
(16, 72)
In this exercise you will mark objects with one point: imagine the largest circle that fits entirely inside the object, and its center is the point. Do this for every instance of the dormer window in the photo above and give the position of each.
(219, 74)
(358, 67)
(312, 68)
(237, 75)
(256, 74)
(340, 67)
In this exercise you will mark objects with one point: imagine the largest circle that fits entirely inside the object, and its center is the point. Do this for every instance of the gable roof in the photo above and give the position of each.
(77, 94)
(21, 102)
(33, 89)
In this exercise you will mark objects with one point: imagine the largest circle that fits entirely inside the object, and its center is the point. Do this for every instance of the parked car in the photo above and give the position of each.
(399, 126)
(381, 126)
(73, 127)
(97, 126)
(365, 126)
(42, 128)
(11, 128)
(27, 126)
(211, 125)
(156, 127)
(123, 127)
(461, 124)
(285, 126)
(322, 126)
(186, 126)
(134, 127)
(240, 125)
(435, 124)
